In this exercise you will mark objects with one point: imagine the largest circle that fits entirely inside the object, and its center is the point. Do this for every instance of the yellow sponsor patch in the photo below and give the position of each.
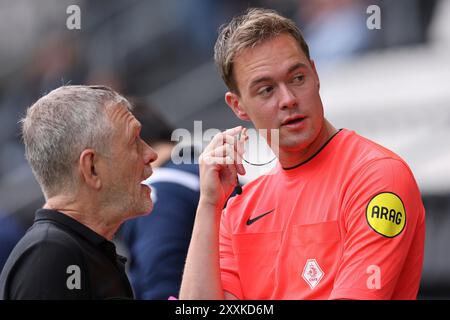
(386, 214)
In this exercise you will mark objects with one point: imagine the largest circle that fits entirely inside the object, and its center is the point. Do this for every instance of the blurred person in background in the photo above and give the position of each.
(54, 62)
(339, 217)
(10, 233)
(334, 29)
(337, 30)
(84, 147)
(157, 243)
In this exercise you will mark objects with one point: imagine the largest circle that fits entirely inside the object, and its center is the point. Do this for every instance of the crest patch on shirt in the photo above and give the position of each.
(312, 273)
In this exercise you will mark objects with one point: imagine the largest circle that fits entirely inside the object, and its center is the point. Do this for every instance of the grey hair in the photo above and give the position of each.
(60, 125)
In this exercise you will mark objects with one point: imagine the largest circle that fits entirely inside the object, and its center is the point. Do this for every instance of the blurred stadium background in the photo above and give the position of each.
(391, 85)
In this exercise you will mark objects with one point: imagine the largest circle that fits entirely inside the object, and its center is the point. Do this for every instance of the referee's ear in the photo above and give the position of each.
(316, 75)
(233, 101)
(88, 168)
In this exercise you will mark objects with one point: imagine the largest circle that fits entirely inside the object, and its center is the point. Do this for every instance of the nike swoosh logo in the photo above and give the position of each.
(250, 221)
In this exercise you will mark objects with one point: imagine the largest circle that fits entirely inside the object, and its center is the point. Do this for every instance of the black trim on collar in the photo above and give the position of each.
(315, 154)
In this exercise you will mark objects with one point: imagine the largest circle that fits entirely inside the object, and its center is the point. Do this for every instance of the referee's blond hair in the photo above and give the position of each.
(248, 30)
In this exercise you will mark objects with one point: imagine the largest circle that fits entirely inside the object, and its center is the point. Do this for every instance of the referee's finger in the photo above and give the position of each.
(223, 151)
(217, 161)
(240, 149)
(222, 137)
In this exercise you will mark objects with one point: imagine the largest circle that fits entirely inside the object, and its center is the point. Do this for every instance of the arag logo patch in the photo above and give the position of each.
(386, 214)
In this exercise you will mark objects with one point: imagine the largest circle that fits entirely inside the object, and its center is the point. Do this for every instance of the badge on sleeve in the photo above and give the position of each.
(386, 214)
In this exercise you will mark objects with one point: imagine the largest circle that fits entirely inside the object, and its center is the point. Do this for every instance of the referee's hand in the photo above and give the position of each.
(220, 163)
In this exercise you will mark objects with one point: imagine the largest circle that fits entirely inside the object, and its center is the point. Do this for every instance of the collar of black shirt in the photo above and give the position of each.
(80, 229)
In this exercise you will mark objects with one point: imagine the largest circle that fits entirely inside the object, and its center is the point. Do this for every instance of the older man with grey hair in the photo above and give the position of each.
(84, 147)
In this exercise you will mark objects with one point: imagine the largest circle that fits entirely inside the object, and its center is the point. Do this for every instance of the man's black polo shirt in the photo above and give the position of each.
(60, 258)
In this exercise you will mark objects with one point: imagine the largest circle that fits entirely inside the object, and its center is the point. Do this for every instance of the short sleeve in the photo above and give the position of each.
(49, 270)
(228, 267)
(382, 216)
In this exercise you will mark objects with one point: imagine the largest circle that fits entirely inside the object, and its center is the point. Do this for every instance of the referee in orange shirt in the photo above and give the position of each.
(339, 217)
